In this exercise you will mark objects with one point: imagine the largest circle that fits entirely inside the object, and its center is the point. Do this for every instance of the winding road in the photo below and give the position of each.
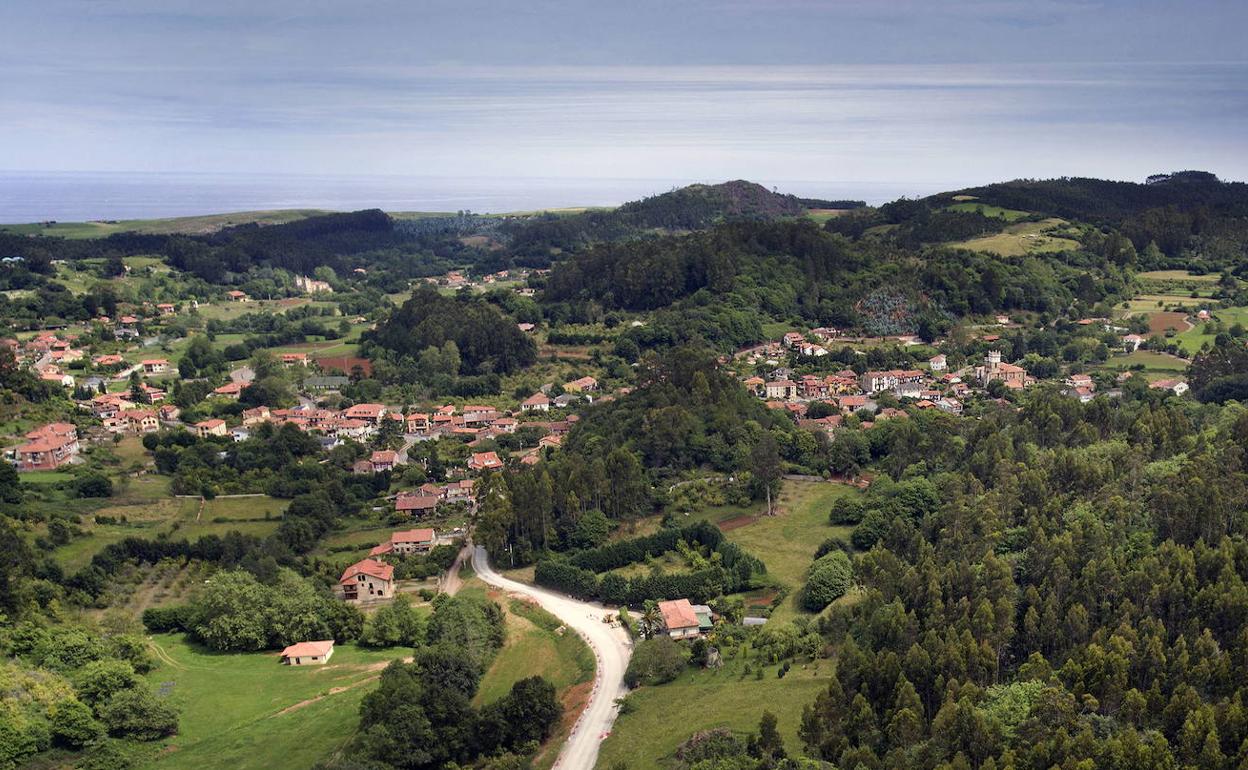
(611, 647)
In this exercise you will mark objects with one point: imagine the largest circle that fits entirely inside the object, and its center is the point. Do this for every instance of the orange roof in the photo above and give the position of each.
(424, 535)
(308, 649)
(384, 456)
(379, 570)
(678, 614)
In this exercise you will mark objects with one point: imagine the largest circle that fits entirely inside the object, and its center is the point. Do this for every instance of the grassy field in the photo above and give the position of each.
(787, 541)
(1192, 339)
(1009, 215)
(249, 711)
(666, 715)
(1177, 275)
(1020, 239)
(535, 648)
(207, 223)
(179, 518)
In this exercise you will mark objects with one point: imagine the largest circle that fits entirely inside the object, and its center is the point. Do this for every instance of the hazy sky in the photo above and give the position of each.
(916, 91)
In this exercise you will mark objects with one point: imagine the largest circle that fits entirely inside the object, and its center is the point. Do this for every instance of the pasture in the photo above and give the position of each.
(662, 717)
(786, 542)
(1009, 215)
(247, 710)
(195, 225)
(1021, 239)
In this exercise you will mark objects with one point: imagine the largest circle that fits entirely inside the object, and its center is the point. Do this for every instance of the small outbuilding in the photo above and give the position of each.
(308, 653)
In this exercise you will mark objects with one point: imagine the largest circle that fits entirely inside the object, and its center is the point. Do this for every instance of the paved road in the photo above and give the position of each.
(611, 647)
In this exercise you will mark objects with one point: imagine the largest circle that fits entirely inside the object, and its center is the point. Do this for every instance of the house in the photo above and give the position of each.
(230, 390)
(241, 433)
(581, 385)
(1084, 394)
(256, 415)
(950, 405)
(166, 308)
(169, 412)
(312, 285)
(108, 360)
(58, 378)
(1179, 387)
(706, 619)
(505, 424)
(994, 368)
(294, 359)
(1132, 342)
(1080, 381)
(479, 415)
(416, 504)
(679, 619)
(237, 296)
(367, 579)
(367, 412)
(938, 363)
(308, 653)
(141, 420)
(484, 461)
(207, 428)
(150, 395)
(155, 366)
(49, 448)
(538, 402)
(406, 542)
(417, 423)
(780, 389)
(383, 460)
(792, 339)
(527, 328)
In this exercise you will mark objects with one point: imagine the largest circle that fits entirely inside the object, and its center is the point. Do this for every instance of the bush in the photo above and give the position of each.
(830, 578)
(163, 620)
(100, 680)
(94, 485)
(73, 725)
(136, 713)
(656, 661)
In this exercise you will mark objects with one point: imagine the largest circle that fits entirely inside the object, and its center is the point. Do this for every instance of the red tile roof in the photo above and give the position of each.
(678, 614)
(377, 569)
(308, 649)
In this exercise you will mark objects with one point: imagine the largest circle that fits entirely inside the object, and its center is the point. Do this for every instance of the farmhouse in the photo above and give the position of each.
(237, 296)
(155, 366)
(367, 579)
(416, 504)
(406, 542)
(308, 653)
(582, 385)
(536, 402)
(368, 412)
(679, 619)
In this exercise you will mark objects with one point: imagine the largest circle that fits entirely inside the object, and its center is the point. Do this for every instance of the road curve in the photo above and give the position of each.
(611, 647)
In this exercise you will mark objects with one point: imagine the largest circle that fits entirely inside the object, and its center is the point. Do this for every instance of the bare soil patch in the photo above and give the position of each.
(1161, 322)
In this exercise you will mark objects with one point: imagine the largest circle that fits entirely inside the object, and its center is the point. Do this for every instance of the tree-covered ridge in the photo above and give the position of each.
(483, 340)
(1077, 594)
(797, 270)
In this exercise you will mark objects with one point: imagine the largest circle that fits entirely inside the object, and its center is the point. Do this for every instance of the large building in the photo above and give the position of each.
(367, 579)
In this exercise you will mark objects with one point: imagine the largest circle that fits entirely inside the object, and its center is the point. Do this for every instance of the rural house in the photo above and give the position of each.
(367, 579)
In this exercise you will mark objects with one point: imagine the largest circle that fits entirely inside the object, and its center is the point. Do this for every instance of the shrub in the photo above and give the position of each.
(656, 661)
(830, 578)
(136, 713)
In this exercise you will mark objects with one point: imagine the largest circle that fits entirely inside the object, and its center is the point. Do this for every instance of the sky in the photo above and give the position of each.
(937, 94)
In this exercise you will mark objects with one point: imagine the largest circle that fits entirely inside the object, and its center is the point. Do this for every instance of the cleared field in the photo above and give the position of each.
(666, 715)
(1151, 361)
(1009, 215)
(823, 215)
(1177, 275)
(1162, 322)
(177, 518)
(249, 711)
(535, 647)
(787, 541)
(207, 223)
(1020, 239)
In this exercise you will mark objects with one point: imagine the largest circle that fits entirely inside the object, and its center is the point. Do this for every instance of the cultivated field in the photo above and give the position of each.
(1009, 215)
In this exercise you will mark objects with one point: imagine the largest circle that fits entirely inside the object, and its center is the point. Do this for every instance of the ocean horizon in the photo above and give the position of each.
(27, 196)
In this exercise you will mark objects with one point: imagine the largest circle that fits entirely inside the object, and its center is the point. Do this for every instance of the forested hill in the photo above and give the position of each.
(687, 208)
(1111, 202)
(718, 282)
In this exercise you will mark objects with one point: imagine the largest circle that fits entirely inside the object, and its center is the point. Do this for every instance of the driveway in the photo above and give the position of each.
(611, 647)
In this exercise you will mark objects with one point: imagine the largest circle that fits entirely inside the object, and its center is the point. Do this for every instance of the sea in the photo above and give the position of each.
(61, 196)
